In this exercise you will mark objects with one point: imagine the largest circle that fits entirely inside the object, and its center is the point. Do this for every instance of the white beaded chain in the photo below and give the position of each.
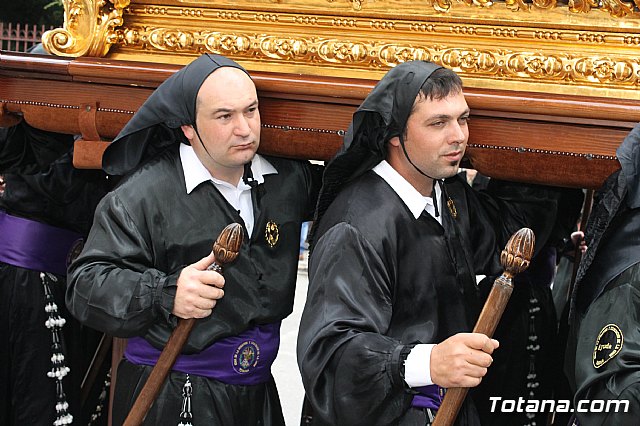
(186, 417)
(59, 369)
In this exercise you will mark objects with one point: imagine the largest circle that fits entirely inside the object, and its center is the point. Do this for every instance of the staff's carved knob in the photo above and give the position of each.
(227, 246)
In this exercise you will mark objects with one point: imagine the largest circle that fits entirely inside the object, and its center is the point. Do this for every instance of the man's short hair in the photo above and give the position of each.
(442, 83)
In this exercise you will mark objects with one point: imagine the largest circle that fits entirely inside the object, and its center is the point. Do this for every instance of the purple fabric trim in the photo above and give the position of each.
(33, 245)
(429, 397)
(244, 359)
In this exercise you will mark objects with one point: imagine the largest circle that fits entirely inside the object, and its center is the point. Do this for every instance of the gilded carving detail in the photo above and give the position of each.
(617, 8)
(284, 48)
(172, 40)
(558, 68)
(340, 52)
(88, 28)
(441, 5)
(516, 5)
(392, 54)
(486, 40)
(227, 44)
(582, 6)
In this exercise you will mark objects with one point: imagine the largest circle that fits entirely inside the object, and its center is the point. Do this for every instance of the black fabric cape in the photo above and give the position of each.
(124, 281)
(606, 297)
(382, 115)
(156, 124)
(41, 182)
(381, 280)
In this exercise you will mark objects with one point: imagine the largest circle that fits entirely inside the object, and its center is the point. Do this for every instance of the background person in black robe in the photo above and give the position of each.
(603, 351)
(44, 200)
(190, 155)
(529, 362)
(396, 245)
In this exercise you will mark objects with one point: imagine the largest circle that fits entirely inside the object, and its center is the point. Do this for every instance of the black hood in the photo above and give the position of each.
(629, 156)
(381, 116)
(156, 124)
(613, 229)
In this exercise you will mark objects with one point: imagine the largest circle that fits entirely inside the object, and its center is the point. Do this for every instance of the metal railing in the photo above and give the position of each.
(20, 37)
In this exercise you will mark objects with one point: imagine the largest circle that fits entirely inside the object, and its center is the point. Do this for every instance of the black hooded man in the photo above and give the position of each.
(190, 155)
(397, 242)
(602, 360)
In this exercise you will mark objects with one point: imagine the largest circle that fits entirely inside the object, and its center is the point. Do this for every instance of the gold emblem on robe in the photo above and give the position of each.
(608, 345)
(272, 233)
(452, 208)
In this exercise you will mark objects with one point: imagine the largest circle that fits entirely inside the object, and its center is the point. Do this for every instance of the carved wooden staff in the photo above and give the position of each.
(225, 249)
(515, 258)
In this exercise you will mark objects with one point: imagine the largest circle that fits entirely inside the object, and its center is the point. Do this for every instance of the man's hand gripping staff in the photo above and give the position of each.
(515, 258)
(225, 250)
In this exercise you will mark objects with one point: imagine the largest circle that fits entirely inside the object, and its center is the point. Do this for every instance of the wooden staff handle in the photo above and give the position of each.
(515, 258)
(225, 249)
(577, 257)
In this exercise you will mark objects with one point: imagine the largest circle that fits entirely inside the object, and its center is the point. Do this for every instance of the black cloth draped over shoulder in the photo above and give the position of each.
(619, 195)
(380, 117)
(156, 124)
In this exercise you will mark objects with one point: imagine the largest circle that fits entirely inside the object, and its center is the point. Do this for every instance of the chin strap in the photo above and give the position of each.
(247, 176)
(450, 204)
(200, 140)
(434, 198)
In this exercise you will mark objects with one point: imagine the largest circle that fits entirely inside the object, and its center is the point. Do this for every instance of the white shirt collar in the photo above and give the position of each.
(415, 201)
(195, 172)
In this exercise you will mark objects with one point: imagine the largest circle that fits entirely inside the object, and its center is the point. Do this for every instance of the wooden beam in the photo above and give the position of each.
(554, 139)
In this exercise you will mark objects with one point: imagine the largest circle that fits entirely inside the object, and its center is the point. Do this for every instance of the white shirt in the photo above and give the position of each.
(238, 196)
(417, 367)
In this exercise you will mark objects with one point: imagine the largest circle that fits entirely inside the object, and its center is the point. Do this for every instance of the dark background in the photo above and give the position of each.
(47, 12)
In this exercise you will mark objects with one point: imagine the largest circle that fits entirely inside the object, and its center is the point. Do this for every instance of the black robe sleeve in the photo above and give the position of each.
(27, 150)
(343, 349)
(607, 356)
(111, 286)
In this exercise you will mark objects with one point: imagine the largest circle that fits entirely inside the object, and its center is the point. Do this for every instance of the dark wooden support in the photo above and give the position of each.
(515, 258)
(554, 139)
(226, 249)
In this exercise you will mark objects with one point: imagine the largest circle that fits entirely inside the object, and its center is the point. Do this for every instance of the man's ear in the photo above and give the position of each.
(394, 141)
(188, 131)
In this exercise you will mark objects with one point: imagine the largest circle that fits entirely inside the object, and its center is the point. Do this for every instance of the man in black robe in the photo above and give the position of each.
(190, 155)
(46, 209)
(397, 242)
(602, 361)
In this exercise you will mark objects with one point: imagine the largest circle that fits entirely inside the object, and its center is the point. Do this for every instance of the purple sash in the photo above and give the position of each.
(244, 359)
(33, 245)
(429, 397)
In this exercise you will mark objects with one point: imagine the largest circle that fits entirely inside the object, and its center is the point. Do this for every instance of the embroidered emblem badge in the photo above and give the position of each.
(608, 345)
(246, 357)
(75, 250)
(452, 208)
(272, 234)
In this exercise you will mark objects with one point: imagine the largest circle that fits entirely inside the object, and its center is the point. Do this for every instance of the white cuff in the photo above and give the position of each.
(417, 366)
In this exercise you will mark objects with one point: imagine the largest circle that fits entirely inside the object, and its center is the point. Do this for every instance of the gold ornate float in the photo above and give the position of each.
(553, 85)
(585, 47)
